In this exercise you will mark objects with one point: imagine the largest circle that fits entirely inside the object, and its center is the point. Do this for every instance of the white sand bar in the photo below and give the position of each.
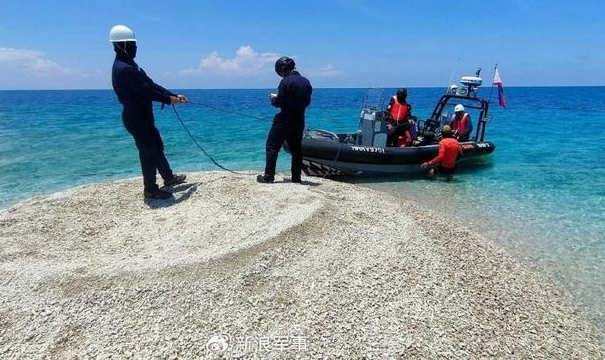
(274, 271)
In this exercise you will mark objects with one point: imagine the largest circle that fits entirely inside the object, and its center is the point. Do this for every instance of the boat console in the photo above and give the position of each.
(372, 130)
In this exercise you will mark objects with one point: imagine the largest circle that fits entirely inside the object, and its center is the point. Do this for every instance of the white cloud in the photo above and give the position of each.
(35, 63)
(247, 62)
(328, 71)
(151, 18)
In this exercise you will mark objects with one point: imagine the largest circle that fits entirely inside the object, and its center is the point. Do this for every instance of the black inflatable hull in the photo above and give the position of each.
(331, 158)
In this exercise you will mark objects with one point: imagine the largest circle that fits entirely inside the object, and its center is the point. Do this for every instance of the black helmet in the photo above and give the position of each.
(284, 64)
(403, 92)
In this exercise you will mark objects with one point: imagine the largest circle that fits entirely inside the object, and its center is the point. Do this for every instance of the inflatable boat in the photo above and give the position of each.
(364, 152)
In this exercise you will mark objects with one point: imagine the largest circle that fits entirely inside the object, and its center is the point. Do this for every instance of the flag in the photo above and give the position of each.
(498, 83)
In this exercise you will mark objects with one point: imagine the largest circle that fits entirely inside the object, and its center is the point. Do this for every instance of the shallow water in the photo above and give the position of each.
(541, 194)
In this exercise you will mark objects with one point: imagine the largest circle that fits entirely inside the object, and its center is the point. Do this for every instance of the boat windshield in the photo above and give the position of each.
(373, 99)
(472, 107)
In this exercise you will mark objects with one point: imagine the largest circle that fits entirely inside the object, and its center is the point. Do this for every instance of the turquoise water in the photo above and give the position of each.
(541, 194)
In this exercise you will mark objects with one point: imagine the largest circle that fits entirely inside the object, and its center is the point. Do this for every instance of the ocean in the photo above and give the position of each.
(541, 194)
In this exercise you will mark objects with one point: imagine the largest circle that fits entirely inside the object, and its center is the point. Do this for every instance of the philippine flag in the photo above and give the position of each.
(498, 83)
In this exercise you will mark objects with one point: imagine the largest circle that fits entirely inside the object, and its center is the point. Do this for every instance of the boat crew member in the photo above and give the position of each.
(402, 126)
(136, 91)
(461, 123)
(293, 96)
(406, 137)
(445, 162)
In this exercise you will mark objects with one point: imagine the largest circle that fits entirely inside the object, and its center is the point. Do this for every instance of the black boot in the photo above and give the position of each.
(264, 179)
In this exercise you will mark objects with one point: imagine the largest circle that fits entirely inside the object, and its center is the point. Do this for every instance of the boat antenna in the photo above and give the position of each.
(453, 73)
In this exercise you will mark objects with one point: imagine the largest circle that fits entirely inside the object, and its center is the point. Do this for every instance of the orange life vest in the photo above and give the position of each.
(399, 112)
(406, 139)
(461, 125)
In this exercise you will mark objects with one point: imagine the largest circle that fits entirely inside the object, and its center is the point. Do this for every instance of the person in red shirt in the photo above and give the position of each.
(461, 123)
(445, 162)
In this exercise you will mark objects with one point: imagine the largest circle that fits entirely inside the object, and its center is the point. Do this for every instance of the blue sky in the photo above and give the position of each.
(64, 44)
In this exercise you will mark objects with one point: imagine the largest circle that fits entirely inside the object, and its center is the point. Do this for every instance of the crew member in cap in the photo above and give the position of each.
(445, 162)
(293, 97)
(136, 91)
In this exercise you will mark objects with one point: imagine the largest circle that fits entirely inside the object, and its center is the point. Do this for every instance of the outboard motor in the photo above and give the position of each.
(373, 128)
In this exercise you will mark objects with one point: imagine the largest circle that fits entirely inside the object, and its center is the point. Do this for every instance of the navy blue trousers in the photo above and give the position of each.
(151, 154)
(292, 133)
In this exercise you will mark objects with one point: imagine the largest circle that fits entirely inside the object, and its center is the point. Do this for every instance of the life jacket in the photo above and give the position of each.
(408, 136)
(406, 139)
(399, 112)
(463, 126)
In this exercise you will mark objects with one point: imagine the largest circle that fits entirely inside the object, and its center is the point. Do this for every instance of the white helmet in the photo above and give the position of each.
(458, 107)
(121, 33)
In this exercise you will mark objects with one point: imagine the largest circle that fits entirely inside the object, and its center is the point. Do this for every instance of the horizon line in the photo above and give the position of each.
(320, 87)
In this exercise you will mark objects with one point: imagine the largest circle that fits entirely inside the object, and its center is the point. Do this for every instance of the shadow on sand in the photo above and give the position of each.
(180, 193)
(304, 182)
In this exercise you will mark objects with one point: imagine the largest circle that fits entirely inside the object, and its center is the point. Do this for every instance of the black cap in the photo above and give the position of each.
(284, 64)
(402, 92)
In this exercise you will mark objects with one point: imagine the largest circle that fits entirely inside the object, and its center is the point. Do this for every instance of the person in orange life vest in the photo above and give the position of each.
(400, 112)
(460, 124)
(445, 162)
(398, 107)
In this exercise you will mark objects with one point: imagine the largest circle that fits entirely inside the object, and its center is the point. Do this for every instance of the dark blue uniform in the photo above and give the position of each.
(293, 97)
(136, 91)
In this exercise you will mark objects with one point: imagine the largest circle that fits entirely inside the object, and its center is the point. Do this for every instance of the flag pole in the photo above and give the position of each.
(492, 88)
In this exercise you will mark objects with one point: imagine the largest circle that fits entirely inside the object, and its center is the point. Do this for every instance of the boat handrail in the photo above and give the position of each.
(323, 134)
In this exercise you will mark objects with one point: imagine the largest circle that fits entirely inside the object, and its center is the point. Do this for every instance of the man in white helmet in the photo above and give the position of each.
(461, 123)
(136, 91)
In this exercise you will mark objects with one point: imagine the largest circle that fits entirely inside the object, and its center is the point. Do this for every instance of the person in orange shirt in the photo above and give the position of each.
(445, 162)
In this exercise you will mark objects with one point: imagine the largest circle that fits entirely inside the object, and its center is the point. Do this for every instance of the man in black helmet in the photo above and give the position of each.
(401, 124)
(293, 97)
(136, 91)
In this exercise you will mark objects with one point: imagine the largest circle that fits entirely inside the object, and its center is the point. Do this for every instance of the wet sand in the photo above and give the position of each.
(284, 270)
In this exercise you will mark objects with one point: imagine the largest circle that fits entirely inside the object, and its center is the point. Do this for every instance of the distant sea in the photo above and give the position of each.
(541, 194)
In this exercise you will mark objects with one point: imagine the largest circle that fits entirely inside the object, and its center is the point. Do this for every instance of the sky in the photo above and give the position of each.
(63, 44)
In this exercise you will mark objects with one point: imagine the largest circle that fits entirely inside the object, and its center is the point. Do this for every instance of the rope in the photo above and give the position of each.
(336, 158)
(200, 146)
(334, 162)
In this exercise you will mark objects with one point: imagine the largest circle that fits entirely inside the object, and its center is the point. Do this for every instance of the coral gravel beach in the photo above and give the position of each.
(231, 268)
